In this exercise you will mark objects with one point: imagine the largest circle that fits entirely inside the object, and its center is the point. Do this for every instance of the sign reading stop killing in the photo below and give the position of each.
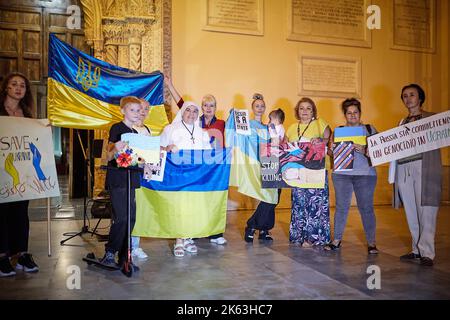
(409, 139)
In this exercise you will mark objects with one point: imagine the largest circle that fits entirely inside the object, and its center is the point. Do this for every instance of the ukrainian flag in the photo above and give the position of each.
(191, 201)
(84, 92)
(246, 167)
(354, 134)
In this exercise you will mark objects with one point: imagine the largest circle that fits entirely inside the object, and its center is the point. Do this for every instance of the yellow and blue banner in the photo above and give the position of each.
(246, 166)
(354, 134)
(191, 201)
(85, 92)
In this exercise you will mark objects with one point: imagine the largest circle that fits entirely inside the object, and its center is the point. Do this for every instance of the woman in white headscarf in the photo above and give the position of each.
(185, 133)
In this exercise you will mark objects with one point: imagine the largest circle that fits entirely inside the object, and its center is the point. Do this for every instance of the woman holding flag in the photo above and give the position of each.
(263, 219)
(209, 122)
(185, 133)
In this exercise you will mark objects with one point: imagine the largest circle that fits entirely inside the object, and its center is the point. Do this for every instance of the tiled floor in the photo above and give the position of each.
(239, 270)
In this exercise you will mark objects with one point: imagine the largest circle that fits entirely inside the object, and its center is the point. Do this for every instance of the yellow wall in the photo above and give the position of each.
(233, 67)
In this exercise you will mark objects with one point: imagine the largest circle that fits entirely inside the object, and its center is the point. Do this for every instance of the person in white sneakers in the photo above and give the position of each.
(141, 128)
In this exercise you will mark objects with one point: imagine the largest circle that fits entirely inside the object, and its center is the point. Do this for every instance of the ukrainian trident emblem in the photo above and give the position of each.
(85, 76)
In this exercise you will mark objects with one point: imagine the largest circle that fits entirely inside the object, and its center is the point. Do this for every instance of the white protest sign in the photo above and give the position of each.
(27, 163)
(409, 139)
(159, 168)
(242, 122)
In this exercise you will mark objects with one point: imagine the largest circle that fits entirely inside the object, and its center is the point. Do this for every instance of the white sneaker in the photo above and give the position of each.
(139, 253)
(220, 240)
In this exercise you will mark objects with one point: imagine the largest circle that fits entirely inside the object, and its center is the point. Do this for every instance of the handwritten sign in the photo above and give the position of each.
(409, 139)
(242, 122)
(27, 164)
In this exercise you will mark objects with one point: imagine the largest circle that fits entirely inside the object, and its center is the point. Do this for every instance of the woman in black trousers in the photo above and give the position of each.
(15, 101)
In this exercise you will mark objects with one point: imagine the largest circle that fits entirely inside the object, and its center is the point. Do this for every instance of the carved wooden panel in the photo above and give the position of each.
(57, 19)
(24, 29)
(7, 64)
(20, 40)
(8, 40)
(55, 22)
(32, 43)
(12, 15)
(31, 68)
(79, 42)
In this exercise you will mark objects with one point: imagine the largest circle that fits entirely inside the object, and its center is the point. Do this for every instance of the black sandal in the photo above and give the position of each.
(332, 247)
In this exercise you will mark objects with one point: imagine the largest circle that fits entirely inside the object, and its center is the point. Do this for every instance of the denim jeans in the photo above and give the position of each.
(135, 242)
(364, 188)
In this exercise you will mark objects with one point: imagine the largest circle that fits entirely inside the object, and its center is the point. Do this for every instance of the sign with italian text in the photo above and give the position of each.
(409, 139)
(27, 163)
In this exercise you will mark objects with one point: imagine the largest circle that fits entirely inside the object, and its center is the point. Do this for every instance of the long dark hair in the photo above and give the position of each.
(26, 103)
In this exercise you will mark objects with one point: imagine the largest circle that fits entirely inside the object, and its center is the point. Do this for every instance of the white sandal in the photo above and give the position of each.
(178, 250)
(189, 246)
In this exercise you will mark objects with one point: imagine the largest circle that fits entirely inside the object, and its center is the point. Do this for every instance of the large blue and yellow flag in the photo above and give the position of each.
(191, 201)
(246, 167)
(84, 92)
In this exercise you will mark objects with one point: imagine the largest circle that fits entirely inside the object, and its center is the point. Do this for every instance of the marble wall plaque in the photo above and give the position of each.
(330, 76)
(233, 16)
(414, 25)
(341, 22)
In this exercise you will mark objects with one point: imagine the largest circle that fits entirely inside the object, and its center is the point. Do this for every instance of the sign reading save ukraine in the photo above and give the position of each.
(85, 92)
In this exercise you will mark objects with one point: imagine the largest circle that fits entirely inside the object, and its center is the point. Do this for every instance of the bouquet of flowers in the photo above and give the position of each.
(126, 158)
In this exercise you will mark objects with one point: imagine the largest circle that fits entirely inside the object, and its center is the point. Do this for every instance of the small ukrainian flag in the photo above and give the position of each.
(353, 134)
